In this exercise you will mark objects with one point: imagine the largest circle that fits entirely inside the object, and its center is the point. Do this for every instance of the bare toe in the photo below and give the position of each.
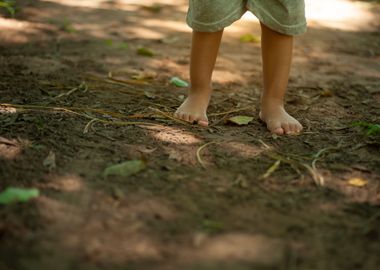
(287, 128)
(179, 116)
(186, 117)
(202, 123)
(293, 128)
(192, 119)
(275, 128)
(299, 127)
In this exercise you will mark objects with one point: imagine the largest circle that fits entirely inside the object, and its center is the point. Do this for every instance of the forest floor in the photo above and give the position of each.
(76, 98)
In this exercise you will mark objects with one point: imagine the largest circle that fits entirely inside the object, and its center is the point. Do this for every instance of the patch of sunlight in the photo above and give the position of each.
(175, 135)
(7, 109)
(15, 31)
(12, 24)
(129, 5)
(10, 149)
(339, 14)
(69, 183)
(143, 32)
(81, 3)
(172, 25)
(244, 150)
(238, 246)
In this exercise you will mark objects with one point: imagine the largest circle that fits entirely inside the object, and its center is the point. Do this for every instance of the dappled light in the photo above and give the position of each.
(15, 31)
(98, 172)
(244, 150)
(7, 109)
(11, 148)
(175, 136)
(340, 14)
(234, 246)
(67, 183)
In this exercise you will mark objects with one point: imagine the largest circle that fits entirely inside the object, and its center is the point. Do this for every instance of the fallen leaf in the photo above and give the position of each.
(144, 75)
(12, 194)
(49, 161)
(178, 82)
(155, 8)
(326, 93)
(357, 182)
(145, 52)
(240, 120)
(250, 38)
(126, 168)
(108, 42)
(149, 95)
(212, 225)
(122, 45)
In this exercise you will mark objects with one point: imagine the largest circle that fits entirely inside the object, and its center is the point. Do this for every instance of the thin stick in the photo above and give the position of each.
(70, 109)
(271, 169)
(169, 116)
(232, 111)
(120, 123)
(199, 152)
(113, 81)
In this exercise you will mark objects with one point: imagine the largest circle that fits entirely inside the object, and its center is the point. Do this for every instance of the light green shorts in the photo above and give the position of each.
(284, 16)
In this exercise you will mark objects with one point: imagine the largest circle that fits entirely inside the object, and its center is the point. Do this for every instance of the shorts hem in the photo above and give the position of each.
(272, 23)
(215, 26)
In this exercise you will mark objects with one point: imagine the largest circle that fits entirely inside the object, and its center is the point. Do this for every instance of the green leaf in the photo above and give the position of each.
(212, 225)
(149, 95)
(117, 45)
(369, 128)
(178, 82)
(12, 194)
(145, 52)
(123, 45)
(126, 168)
(240, 120)
(8, 6)
(250, 38)
(108, 42)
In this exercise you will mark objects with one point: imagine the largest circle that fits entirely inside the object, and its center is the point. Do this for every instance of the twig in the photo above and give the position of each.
(139, 82)
(83, 86)
(116, 82)
(93, 119)
(89, 126)
(199, 153)
(169, 116)
(317, 177)
(66, 109)
(271, 169)
(232, 111)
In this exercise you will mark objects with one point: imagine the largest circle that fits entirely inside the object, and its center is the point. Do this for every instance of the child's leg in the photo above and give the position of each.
(277, 52)
(204, 50)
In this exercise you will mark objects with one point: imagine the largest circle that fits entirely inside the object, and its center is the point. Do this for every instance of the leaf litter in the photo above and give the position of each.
(14, 194)
(125, 169)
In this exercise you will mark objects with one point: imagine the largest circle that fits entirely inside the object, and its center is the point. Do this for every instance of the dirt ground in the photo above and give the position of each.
(76, 97)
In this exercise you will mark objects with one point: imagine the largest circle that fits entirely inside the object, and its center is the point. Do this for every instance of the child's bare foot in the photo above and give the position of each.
(194, 108)
(278, 120)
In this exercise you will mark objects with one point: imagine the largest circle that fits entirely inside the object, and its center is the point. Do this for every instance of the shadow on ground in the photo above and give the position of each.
(243, 210)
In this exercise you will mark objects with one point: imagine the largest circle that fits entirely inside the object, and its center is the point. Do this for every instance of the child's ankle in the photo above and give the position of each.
(200, 90)
(271, 101)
